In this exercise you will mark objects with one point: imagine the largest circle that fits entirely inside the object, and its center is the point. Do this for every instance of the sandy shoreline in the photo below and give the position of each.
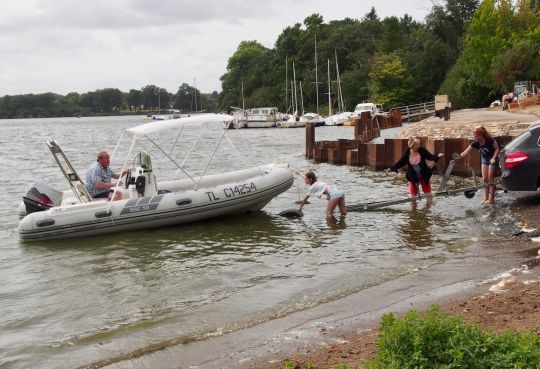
(510, 302)
(515, 308)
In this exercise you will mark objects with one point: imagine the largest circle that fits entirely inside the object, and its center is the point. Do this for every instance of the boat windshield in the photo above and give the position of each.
(366, 107)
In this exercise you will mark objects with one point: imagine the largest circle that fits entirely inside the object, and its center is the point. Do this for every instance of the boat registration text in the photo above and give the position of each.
(234, 191)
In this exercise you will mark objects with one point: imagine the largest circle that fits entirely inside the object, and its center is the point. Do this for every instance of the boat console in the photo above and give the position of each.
(140, 180)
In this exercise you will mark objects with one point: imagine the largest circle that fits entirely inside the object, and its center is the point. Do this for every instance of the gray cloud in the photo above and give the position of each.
(106, 14)
(75, 45)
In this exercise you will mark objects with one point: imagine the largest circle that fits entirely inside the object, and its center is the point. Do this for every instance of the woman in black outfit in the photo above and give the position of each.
(418, 172)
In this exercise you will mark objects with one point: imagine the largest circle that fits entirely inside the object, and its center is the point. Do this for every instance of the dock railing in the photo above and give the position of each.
(416, 111)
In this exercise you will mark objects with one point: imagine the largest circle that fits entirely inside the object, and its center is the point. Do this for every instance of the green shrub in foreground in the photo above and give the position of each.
(433, 341)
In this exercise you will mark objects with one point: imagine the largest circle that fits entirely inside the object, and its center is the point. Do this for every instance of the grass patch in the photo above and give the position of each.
(436, 341)
(433, 340)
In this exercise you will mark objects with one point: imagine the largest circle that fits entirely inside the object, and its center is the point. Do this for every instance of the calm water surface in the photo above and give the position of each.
(73, 302)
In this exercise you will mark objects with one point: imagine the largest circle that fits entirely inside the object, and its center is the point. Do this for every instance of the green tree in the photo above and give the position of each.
(134, 99)
(155, 98)
(189, 98)
(428, 59)
(520, 62)
(393, 35)
(183, 99)
(391, 85)
(356, 44)
(108, 100)
(355, 86)
(5, 107)
(461, 89)
(450, 22)
(89, 102)
(313, 21)
(247, 66)
(483, 42)
(371, 15)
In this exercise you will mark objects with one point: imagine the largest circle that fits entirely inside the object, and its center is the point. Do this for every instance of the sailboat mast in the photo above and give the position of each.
(340, 95)
(286, 85)
(243, 107)
(295, 95)
(302, 98)
(329, 92)
(195, 93)
(316, 76)
(292, 97)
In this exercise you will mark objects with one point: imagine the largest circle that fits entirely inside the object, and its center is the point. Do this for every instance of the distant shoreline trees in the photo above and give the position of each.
(107, 101)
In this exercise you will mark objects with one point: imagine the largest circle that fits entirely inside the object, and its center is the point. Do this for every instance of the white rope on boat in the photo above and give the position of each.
(235, 149)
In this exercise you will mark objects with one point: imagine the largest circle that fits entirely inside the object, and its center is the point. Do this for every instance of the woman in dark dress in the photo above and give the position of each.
(418, 171)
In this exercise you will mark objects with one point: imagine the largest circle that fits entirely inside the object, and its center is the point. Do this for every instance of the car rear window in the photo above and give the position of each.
(518, 140)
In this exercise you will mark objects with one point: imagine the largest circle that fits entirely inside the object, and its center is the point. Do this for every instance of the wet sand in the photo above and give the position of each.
(514, 308)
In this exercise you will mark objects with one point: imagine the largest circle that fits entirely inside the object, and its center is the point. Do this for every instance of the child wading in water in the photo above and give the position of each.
(335, 196)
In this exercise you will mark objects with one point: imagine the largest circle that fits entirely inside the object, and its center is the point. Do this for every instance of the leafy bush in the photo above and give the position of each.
(437, 341)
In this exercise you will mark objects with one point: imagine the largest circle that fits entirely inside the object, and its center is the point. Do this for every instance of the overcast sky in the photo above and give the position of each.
(66, 46)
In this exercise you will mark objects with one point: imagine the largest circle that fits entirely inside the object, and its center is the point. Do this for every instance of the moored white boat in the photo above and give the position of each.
(149, 203)
(312, 118)
(263, 117)
(171, 114)
(291, 124)
(239, 119)
(338, 119)
(290, 121)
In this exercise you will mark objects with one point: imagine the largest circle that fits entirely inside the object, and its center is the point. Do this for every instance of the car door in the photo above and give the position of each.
(535, 154)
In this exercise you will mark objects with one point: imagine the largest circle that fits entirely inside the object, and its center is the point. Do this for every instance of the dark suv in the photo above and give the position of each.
(520, 161)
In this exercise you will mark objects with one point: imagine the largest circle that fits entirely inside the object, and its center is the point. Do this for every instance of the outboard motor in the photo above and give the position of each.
(41, 197)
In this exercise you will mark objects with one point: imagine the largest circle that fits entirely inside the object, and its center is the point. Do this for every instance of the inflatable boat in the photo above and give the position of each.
(146, 202)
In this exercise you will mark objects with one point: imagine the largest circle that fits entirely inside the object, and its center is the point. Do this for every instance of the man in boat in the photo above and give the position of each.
(99, 178)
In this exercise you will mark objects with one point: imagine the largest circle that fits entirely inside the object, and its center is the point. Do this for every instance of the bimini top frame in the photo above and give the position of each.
(143, 131)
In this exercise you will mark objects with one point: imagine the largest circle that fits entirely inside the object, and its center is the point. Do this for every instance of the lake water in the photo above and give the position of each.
(74, 302)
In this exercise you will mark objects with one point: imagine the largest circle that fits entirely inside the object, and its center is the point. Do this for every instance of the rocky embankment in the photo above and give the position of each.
(495, 120)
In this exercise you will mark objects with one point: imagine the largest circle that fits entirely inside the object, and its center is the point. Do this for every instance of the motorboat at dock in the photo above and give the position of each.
(263, 117)
(147, 202)
(312, 118)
